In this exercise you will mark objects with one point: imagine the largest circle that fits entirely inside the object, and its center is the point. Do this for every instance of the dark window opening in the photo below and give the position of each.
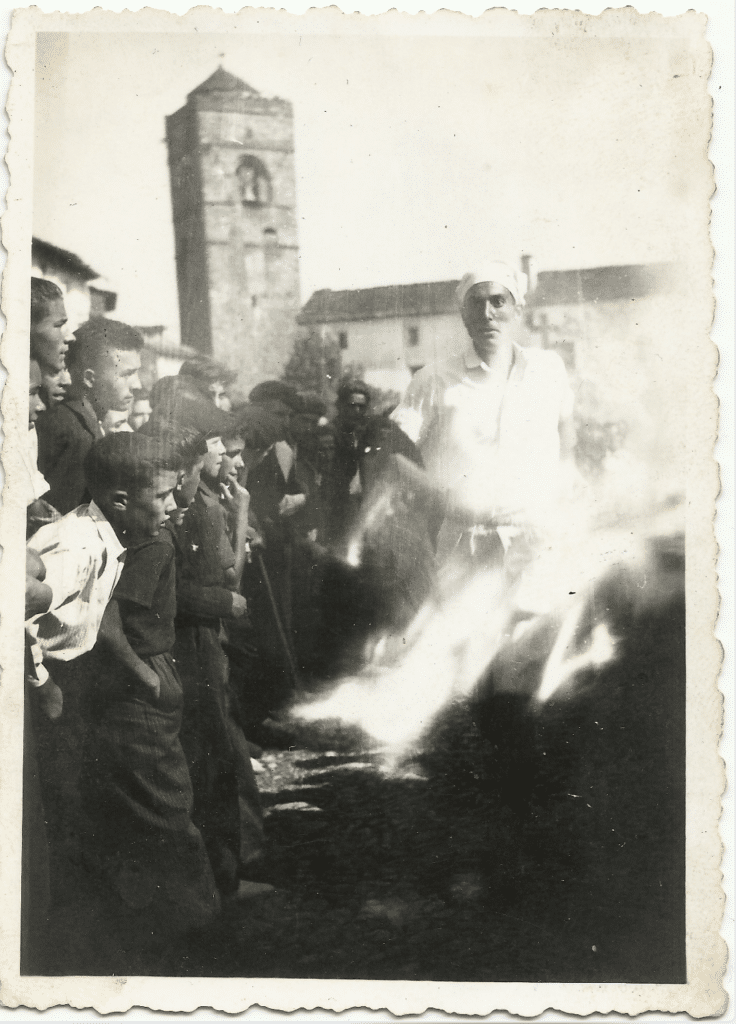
(412, 336)
(342, 337)
(254, 182)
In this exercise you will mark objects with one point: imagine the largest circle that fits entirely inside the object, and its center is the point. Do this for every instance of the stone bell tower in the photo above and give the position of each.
(231, 161)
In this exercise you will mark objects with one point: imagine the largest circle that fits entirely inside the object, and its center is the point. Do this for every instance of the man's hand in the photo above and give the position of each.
(34, 565)
(149, 679)
(38, 597)
(254, 538)
(236, 500)
(240, 606)
(51, 699)
(290, 504)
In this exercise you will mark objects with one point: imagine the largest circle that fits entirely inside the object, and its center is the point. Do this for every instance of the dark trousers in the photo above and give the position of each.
(227, 806)
(137, 795)
(35, 889)
(59, 750)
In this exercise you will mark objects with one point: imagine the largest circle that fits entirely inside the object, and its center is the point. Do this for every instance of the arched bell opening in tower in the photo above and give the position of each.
(254, 182)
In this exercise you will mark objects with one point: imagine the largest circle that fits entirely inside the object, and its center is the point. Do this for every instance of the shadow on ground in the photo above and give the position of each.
(430, 872)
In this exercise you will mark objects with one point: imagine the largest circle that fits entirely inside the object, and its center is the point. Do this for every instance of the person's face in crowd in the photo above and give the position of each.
(279, 419)
(50, 337)
(113, 421)
(326, 448)
(140, 413)
(55, 385)
(251, 457)
(303, 430)
(147, 509)
(186, 488)
(219, 396)
(112, 382)
(35, 401)
(232, 460)
(354, 410)
(490, 316)
(213, 460)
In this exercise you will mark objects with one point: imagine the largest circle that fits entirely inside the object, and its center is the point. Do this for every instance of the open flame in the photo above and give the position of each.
(412, 677)
(477, 620)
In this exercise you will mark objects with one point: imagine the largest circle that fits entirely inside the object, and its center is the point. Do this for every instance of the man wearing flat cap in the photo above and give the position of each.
(493, 423)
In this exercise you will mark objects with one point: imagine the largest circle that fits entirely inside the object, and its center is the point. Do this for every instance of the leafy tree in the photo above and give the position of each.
(315, 364)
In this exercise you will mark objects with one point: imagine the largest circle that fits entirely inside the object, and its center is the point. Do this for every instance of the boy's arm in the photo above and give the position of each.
(202, 587)
(111, 636)
(206, 602)
(236, 500)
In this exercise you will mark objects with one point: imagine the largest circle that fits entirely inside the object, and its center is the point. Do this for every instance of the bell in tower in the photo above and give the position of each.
(231, 162)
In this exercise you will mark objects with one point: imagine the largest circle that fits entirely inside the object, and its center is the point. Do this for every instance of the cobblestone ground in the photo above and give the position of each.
(424, 870)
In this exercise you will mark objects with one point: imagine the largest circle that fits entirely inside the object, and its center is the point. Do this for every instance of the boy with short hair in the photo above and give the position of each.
(55, 386)
(115, 421)
(36, 484)
(49, 344)
(82, 555)
(103, 362)
(135, 783)
(49, 334)
(226, 804)
(210, 379)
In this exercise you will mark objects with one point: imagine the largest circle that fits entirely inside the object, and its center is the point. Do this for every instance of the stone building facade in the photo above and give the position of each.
(387, 333)
(615, 328)
(231, 162)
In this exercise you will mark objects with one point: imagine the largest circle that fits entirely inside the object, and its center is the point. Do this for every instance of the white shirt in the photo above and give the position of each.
(492, 441)
(83, 559)
(284, 457)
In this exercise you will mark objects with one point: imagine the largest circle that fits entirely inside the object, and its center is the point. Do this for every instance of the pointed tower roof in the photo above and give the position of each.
(222, 81)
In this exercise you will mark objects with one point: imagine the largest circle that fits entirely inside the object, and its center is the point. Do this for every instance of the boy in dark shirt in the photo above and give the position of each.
(226, 803)
(136, 786)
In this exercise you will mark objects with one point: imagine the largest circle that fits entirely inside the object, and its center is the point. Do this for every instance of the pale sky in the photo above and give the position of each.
(416, 156)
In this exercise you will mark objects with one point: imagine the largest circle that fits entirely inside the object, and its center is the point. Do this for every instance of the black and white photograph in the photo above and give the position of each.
(366, 492)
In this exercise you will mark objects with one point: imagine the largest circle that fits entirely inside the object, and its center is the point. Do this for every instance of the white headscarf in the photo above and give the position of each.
(501, 273)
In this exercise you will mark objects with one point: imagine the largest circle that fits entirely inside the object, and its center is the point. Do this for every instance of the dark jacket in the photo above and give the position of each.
(204, 560)
(65, 435)
(267, 487)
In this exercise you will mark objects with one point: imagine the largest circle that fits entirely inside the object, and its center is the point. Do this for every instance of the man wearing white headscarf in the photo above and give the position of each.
(493, 423)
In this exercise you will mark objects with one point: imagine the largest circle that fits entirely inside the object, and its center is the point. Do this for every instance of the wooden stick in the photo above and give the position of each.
(279, 625)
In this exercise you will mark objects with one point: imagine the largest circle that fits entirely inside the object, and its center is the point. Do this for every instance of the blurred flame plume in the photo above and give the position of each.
(443, 653)
(453, 639)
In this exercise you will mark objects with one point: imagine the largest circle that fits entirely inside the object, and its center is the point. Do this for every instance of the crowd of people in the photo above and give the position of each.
(194, 563)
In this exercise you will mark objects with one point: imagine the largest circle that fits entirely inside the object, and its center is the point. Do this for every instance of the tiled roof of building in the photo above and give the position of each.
(47, 256)
(222, 81)
(395, 300)
(554, 288)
